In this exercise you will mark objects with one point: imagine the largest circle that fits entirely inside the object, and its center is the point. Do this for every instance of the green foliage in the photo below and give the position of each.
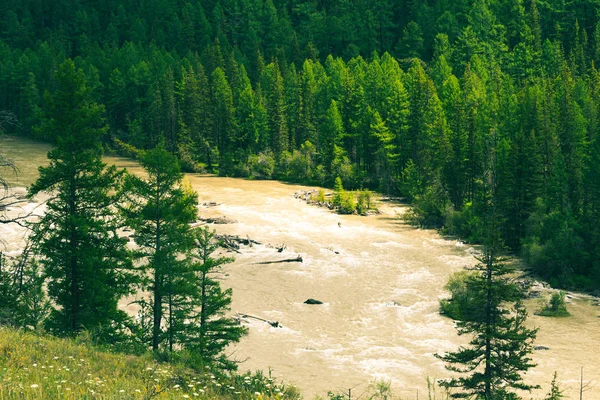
(462, 304)
(555, 306)
(112, 375)
(347, 203)
(338, 192)
(23, 301)
(364, 202)
(84, 260)
(321, 196)
(204, 329)
(509, 81)
(500, 344)
(160, 210)
(431, 207)
(261, 166)
(127, 150)
(555, 392)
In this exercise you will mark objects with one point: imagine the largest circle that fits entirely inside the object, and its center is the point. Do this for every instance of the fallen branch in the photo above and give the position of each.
(218, 220)
(297, 259)
(274, 324)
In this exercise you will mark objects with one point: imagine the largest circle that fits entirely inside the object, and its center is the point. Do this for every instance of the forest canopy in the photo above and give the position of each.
(420, 98)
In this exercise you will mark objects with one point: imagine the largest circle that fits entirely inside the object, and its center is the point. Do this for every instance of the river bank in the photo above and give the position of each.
(379, 279)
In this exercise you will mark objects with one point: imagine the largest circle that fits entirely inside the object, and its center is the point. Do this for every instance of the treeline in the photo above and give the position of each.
(421, 98)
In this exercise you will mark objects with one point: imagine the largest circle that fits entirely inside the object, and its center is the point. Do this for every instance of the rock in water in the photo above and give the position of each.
(313, 301)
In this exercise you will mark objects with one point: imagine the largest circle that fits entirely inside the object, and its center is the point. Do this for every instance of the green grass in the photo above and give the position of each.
(41, 367)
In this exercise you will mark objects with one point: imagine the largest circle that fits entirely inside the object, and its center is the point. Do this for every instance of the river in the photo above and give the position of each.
(379, 279)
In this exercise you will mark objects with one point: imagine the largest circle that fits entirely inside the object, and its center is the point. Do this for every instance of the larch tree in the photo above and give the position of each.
(208, 331)
(85, 262)
(160, 211)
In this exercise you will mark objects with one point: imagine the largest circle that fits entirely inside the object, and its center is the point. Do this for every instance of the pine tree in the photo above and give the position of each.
(85, 262)
(208, 331)
(160, 212)
(498, 352)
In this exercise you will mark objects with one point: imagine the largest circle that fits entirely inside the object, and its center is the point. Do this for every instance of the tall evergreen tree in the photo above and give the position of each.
(160, 212)
(85, 261)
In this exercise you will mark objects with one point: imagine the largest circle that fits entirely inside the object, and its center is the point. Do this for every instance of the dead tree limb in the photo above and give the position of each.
(297, 259)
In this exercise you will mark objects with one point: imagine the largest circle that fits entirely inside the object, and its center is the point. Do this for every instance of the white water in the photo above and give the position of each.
(380, 315)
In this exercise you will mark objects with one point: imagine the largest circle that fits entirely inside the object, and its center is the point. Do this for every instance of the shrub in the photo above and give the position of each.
(365, 200)
(348, 205)
(555, 306)
(338, 190)
(261, 165)
(430, 208)
(460, 306)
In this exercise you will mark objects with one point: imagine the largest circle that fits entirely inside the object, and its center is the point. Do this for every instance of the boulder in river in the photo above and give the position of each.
(313, 301)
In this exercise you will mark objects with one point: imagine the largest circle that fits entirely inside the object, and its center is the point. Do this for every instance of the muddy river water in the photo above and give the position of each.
(379, 280)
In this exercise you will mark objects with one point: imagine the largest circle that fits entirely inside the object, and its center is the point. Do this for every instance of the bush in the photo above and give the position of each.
(348, 205)
(365, 201)
(261, 165)
(338, 192)
(460, 306)
(555, 306)
(464, 223)
(429, 209)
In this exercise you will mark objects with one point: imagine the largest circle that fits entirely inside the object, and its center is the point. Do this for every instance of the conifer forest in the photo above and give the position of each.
(482, 116)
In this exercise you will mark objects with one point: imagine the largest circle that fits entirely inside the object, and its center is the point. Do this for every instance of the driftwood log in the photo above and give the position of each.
(274, 324)
(217, 221)
(233, 243)
(297, 259)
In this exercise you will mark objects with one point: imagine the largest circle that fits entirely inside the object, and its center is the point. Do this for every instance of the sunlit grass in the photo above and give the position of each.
(41, 367)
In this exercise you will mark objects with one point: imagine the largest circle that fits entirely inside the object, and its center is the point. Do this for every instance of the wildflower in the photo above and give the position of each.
(56, 358)
(122, 391)
(257, 393)
(176, 386)
(35, 365)
(185, 396)
(34, 386)
(138, 391)
(190, 385)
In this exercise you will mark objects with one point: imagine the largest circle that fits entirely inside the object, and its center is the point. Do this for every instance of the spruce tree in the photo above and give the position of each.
(86, 263)
(500, 345)
(498, 351)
